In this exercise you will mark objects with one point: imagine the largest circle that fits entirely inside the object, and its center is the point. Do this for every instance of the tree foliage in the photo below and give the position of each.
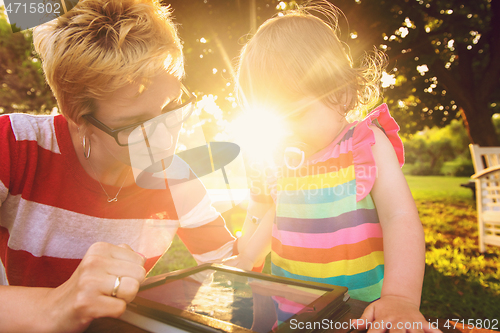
(445, 56)
(22, 85)
(436, 151)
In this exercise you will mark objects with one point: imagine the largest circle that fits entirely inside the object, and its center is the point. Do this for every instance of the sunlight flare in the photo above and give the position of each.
(259, 132)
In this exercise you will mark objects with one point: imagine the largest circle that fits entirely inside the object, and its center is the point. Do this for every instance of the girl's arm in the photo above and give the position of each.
(255, 241)
(404, 245)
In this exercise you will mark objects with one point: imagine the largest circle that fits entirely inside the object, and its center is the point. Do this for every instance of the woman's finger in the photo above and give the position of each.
(121, 252)
(125, 268)
(125, 252)
(124, 288)
(105, 306)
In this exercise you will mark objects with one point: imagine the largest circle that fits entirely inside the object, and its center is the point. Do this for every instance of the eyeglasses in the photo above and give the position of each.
(138, 132)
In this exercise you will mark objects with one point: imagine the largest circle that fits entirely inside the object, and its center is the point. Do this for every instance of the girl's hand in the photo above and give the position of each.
(272, 183)
(395, 314)
(239, 261)
(86, 295)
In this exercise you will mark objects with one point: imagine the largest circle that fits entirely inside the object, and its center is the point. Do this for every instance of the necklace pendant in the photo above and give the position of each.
(112, 200)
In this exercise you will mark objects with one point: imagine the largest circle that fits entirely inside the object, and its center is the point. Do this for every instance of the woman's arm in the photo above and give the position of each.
(86, 295)
(404, 243)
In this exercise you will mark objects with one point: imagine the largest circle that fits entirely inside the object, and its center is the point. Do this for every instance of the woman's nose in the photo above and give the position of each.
(161, 138)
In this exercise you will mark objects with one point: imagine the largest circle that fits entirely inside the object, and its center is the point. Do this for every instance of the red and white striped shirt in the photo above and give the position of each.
(51, 210)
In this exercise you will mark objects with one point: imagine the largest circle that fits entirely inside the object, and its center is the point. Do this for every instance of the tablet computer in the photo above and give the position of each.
(217, 298)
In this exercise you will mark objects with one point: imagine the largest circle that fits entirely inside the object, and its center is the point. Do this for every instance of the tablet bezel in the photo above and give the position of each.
(331, 304)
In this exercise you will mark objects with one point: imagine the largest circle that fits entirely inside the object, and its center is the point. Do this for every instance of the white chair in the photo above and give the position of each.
(486, 162)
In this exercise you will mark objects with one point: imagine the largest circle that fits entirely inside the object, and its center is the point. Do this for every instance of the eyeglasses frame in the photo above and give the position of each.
(114, 132)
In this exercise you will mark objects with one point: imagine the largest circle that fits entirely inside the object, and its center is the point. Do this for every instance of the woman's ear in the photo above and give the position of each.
(86, 108)
(83, 126)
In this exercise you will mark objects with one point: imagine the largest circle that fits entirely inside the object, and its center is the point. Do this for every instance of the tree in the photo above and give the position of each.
(22, 85)
(444, 55)
(446, 59)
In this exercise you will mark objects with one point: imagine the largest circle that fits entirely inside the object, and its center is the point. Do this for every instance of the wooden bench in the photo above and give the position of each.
(486, 162)
(471, 185)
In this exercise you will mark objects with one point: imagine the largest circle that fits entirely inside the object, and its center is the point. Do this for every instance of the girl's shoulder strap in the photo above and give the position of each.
(363, 138)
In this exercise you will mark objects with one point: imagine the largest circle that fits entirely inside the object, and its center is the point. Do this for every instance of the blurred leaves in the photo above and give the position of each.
(458, 41)
(427, 151)
(22, 85)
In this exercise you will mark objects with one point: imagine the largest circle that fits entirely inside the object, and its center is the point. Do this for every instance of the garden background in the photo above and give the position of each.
(442, 86)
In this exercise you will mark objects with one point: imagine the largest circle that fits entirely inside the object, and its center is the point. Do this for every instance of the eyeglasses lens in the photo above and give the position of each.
(146, 130)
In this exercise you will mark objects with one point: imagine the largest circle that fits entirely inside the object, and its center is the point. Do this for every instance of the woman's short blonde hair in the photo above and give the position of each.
(102, 45)
(297, 55)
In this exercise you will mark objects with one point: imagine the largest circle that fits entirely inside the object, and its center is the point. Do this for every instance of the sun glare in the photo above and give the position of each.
(388, 80)
(258, 132)
(422, 69)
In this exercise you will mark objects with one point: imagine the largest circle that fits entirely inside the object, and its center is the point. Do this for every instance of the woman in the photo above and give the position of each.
(77, 233)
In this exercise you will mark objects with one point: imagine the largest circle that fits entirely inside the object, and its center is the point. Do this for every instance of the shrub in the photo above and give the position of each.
(459, 167)
(421, 168)
(437, 151)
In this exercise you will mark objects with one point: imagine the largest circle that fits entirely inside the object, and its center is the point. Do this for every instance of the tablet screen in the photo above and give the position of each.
(251, 303)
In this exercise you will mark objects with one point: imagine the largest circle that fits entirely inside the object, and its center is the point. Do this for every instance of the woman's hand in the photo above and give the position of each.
(395, 314)
(86, 295)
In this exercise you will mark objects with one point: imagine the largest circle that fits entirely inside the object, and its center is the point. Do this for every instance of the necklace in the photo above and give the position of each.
(115, 199)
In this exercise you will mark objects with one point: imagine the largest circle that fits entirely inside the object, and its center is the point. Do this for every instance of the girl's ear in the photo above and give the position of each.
(342, 103)
(347, 101)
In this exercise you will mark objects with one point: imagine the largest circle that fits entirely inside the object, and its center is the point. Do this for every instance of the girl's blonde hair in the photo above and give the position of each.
(102, 45)
(297, 55)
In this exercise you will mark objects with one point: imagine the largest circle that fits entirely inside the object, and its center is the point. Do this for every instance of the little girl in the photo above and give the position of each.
(342, 212)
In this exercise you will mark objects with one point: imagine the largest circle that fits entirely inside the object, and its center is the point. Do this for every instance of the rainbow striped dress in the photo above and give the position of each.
(326, 228)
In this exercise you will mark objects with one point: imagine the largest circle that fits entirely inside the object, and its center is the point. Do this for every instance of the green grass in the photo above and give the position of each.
(460, 282)
(439, 187)
(177, 257)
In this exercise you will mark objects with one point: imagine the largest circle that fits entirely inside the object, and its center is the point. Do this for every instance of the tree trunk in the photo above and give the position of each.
(480, 127)
(475, 114)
